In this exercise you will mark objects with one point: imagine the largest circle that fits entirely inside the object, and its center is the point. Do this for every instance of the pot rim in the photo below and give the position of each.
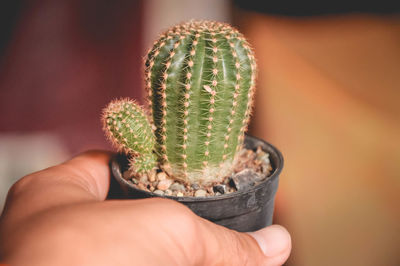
(277, 170)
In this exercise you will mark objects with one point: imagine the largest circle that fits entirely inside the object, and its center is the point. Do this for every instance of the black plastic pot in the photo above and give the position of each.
(244, 211)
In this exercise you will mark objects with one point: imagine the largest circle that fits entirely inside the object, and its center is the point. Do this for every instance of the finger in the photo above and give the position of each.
(268, 246)
(179, 235)
(83, 178)
(92, 170)
(275, 242)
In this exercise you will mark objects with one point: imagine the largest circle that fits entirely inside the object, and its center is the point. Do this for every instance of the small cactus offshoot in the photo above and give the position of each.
(200, 78)
(128, 129)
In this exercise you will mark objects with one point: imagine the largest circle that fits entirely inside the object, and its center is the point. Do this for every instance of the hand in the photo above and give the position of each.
(59, 216)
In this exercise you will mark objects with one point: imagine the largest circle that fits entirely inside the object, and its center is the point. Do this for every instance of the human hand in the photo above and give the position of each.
(59, 216)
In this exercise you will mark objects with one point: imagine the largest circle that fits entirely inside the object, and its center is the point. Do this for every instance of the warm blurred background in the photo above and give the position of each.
(328, 97)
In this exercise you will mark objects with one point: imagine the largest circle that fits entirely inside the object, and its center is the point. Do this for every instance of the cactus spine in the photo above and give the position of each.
(200, 78)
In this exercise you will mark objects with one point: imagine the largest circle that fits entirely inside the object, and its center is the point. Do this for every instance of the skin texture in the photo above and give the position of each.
(59, 216)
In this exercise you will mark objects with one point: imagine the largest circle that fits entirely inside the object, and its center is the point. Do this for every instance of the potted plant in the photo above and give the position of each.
(190, 144)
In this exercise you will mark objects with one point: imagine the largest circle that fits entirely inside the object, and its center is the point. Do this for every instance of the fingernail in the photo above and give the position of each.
(272, 240)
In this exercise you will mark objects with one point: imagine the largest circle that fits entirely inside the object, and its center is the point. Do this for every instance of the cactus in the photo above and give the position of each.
(128, 129)
(200, 79)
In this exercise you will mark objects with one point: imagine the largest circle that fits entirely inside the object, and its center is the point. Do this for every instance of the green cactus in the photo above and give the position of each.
(200, 78)
(128, 129)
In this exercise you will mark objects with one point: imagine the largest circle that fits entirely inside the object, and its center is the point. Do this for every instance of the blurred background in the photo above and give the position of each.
(328, 97)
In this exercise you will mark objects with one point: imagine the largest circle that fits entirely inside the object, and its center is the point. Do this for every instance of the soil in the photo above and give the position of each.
(252, 168)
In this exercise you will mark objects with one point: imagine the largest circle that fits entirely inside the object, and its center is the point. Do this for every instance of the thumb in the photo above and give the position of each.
(268, 246)
(275, 243)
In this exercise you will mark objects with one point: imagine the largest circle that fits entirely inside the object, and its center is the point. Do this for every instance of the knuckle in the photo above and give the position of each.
(181, 223)
(21, 185)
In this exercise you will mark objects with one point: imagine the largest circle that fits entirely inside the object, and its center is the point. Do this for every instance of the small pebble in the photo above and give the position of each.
(141, 186)
(164, 184)
(242, 153)
(127, 175)
(134, 181)
(221, 189)
(200, 193)
(159, 192)
(143, 178)
(179, 194)
(177, 187)
(152, 176)
(195, 186)
(261, 154)
(244, 179)
(239, 168)
(161, 176)
(168, 192)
